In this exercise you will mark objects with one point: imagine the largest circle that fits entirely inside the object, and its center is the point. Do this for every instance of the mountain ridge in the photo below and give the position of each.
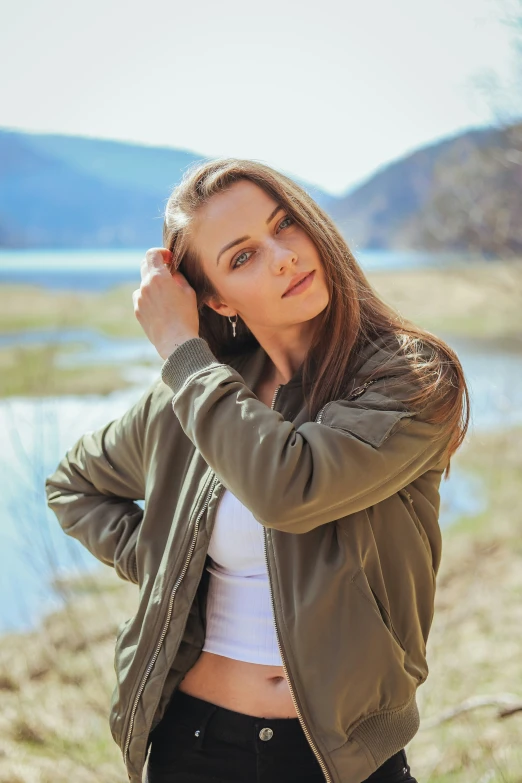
(62, 191)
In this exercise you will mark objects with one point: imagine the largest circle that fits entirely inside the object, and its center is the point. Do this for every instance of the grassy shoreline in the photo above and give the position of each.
(479, 300)
(479, 303)
(35, 371)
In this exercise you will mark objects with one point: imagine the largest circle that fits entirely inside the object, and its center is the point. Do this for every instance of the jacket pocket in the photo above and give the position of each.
(360, 580)
(371, 425)
(408, 502)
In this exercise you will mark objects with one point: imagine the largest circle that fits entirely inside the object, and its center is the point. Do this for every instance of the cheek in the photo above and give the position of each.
(321, 274)
(255, 295)
(313, 253)
(250, 290)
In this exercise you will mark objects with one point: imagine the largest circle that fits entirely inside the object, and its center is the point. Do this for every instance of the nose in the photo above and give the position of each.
(282, 257)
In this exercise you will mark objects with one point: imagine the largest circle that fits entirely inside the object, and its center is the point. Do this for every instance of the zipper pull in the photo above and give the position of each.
(360, 389)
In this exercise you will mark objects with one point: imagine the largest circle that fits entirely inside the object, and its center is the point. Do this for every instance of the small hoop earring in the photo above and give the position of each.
(233, 325)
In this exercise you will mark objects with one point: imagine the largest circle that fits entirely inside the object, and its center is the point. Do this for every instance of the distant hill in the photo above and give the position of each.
(393, 208)
(475, 199)
(60, 191)
(153, 170)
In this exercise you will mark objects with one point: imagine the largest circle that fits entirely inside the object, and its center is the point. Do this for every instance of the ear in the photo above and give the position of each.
(219, 307)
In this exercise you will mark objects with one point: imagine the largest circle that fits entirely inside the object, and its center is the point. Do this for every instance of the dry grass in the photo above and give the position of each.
(36, 307)
(35, 371)
(480, 300)
(55, 686)
(475, 645)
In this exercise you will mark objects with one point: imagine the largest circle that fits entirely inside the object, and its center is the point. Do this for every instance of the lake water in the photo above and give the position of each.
(36, 432)
(99, 270)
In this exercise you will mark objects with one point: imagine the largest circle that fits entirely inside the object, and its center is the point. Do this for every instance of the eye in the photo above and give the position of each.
(287, 217)
(235, 260)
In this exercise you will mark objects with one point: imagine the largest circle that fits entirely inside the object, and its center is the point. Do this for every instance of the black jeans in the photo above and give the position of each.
(199, 742)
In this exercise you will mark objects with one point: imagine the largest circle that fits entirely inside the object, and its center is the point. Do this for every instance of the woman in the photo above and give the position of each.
(290, 461)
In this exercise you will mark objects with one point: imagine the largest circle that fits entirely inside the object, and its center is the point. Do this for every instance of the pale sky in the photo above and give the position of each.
(326, 90)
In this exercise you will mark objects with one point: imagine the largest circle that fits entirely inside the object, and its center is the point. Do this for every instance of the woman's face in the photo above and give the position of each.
(251, 251)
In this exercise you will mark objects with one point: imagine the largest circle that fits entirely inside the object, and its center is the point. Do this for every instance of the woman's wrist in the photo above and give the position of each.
(169, 346)
(192, 356)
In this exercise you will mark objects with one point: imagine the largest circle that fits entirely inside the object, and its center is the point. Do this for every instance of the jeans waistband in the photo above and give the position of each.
(228, 724)
(188, 717)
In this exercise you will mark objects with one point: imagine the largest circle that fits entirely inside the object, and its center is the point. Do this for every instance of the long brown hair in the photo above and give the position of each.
(355, 316)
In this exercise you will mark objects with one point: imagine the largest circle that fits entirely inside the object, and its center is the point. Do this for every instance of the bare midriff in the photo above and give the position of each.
(252, 688)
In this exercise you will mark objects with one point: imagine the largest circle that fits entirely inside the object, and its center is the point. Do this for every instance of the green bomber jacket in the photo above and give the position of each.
(349, 503)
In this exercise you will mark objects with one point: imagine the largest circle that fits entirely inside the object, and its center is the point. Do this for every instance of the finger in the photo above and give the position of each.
(180, 278)
(150, 273)
(157, 257)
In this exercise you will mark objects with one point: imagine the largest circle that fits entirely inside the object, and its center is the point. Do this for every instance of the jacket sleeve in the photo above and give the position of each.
(294, 479)
(93, 489)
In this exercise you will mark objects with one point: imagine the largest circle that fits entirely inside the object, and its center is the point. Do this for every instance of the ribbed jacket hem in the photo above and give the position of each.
(387, 732)
(190, 357)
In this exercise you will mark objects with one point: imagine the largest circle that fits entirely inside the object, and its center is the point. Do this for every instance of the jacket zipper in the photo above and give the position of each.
(294, 699)
(319, 417)
(166, 623)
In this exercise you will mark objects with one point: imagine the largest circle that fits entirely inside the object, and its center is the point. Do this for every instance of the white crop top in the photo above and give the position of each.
(240, 621)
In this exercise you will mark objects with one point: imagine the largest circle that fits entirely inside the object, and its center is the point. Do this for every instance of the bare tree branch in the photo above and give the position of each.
(509, 700)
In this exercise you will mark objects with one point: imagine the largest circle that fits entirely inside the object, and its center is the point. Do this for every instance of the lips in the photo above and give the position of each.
(297, 279)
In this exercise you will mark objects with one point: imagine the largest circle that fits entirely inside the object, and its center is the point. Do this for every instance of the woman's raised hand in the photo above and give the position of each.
(165, 303)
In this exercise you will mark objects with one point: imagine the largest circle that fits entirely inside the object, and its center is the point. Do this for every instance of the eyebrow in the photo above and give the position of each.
(242, 239)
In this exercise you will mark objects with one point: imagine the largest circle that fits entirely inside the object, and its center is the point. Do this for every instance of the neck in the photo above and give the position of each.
(286, 349)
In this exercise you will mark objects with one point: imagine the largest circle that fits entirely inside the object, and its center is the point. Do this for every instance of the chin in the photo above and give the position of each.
(311, 313)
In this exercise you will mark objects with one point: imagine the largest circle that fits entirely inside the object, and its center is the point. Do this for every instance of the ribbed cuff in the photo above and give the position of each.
(192, 356)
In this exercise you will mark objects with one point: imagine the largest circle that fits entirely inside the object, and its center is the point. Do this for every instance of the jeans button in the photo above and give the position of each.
(266, 734)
